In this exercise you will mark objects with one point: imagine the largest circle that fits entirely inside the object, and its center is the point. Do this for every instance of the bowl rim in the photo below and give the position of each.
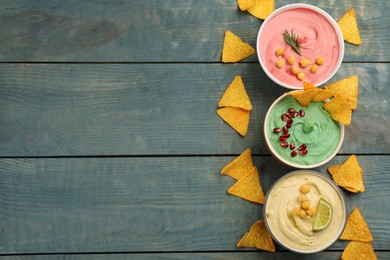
(321, 12)
(289, 163)
(336, 188)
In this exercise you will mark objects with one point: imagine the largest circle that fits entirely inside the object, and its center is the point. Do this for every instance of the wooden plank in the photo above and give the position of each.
(155, 31)
(149, 204)
(158, 109)
(224, 255)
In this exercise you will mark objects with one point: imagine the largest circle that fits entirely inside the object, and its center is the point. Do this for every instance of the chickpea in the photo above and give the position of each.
(302, 198)
(314, 68)
(311, 212)
(296, 212)
(279, 63)
(305, 62)
(294, 70)
(291, 60)
(302, 215)
(320, 60)
(305, 205)
(301, 75)
(279, 52)
(304, 188)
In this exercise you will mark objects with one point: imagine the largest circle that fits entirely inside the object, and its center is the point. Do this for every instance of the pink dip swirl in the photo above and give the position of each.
(317, 38)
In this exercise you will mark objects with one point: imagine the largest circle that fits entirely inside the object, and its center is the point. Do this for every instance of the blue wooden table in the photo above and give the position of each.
(110, 145)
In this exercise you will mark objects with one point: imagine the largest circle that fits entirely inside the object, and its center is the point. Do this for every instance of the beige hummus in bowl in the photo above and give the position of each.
(293, 231)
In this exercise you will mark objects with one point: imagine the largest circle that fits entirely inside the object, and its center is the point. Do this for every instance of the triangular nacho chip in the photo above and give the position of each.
(308, 86)
(333, 169)
(248, 187)
(349, 27)
(309, 95)
(356, 228)
(236, 95)
(351, 189)
(234, 49)
(357, 250)
(339, 109)
(350, 175)
(303, 97)
(258, 237)
(245, 4)
(348, 86)
(237, 118)
(322, 95)
(240, 166)
(262, 8)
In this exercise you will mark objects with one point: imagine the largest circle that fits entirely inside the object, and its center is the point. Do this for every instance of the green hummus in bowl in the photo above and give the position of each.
(301, 137)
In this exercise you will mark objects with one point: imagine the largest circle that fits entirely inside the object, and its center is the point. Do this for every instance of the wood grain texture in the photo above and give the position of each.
(210, 256)
(156, 31)
(110, 146)
(158, 109)
(150, 204)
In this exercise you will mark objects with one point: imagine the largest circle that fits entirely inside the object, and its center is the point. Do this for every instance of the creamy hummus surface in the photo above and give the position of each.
(293, 231)
(317, 38)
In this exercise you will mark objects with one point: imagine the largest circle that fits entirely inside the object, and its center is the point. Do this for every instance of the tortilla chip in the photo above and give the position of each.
(339, 109)
(248, 187)
(234, 49)
(357, 250)
(240, 166)
(303, 97)
(245, 4)
(356, 228)
(236, 95)
(349, 27)
(317, 94)
(322, 95)
(237, 118)
(262, 8)
(333, 169)
(309, 95)
(351, 189)
(308, 86)
(348, 86)
(350, 175)
(258, 237)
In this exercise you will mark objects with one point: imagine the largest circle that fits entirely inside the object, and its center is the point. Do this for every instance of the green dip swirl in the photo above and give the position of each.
(317, 130)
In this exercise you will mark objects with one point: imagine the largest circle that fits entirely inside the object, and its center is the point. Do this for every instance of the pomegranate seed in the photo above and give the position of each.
(291, 110)
(294, 153)
(301, 113)
(290, 121)
(287, 135)
(284, 144)
(276, 130)
(303, 152)
(288, 125)
(282, 138)
(302, 147)
(284, 117)
(292, 146)
(289, 115)
(285, 129)
(296, 114)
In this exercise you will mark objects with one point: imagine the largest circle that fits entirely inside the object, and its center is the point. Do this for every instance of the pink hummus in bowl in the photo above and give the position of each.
(319, 38)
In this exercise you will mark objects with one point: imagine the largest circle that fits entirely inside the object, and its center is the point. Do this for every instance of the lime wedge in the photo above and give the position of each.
(323, 215)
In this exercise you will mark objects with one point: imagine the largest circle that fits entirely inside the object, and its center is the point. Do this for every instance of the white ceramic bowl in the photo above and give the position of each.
(290, 162)
(276, 197)
(320, 12)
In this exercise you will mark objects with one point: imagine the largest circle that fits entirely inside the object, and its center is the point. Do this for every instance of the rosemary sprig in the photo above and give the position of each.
(292, 40)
